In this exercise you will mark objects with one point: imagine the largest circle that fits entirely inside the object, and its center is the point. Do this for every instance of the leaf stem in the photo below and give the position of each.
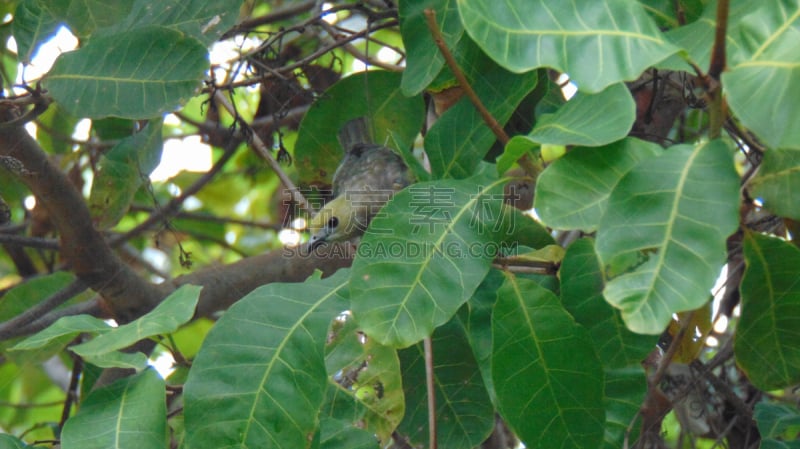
(265, 154)
(716, 66)
(428, 344)
(524, 161)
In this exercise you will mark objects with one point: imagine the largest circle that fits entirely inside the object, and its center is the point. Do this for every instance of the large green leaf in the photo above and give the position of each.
(423, 256)
(464, 413)
(547, 377)
(778, 425)
(671, 215)
(767, 344)
(768, 70)
(476, 315)
(625, 391)
(11, 442)
(336, 434)
(582, 295)
(176, 309)
(131, 412)
(777, 181)
(122, 171)
(205, 20)
(135, 74)
(32, 25)
(395, 119)
(58, 334)
(102, 350)
(695, 37)
(573, 191)
(424, 58)
(86, 16)
(259, 379)
(460, 138)
(367, 372)
(597, 43)
(589, 119)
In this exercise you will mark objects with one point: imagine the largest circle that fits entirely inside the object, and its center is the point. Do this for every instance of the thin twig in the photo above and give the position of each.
(277, 15)
(358, 54)
(30, 242)
(307, 59)
(72, 391)
(174, 205)
(9, 328)
(520, 264)
(666, 360)
(214, 219)
(430, 16)
(524, 161)
(429, 380)
(266, 154)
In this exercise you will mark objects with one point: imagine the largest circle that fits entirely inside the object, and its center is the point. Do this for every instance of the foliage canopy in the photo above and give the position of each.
(662, 191)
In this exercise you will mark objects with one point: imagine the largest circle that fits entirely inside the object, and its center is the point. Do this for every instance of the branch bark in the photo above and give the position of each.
(83, 248)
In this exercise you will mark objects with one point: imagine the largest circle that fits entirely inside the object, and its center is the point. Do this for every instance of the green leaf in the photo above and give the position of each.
(395, 118)
(777, 423)
(769, 69)
(597, 43)
(259, 379)
(460, 138)
(338, 434)
(582, 295)
(122, 171)
(135, 74)
(86, 16)
(11, 442)
(424, 58)
(573, 191)
(423, 256)
(589, 119)
(625, 391)
(131, 412)
(476, 315)
(175, 310)
(516, 147)
(118, 359)
(766, 344)
(695, 36)
(32, 25)
(368, 372)
(547, 377)
(205, 20)
(521, 230)
(62, 332)
(464, 413)
(671, 215)
(777, 179)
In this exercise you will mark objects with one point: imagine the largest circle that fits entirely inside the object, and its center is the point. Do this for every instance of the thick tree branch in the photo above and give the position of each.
(82, 246)
(224, 285)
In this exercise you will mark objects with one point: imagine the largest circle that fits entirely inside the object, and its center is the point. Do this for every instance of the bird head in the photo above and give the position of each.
(334, 222)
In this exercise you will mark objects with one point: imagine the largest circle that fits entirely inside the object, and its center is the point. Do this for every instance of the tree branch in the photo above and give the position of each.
(82, 246)
(524, 161)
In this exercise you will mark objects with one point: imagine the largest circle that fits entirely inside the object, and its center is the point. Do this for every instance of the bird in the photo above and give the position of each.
(367, 177)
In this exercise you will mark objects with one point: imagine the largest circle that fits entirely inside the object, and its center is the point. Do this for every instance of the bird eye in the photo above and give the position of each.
(332, 222)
